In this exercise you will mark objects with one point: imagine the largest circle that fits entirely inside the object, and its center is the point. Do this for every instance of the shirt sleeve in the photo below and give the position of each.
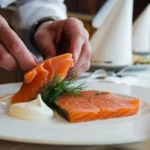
(31, 11)
(5, 3)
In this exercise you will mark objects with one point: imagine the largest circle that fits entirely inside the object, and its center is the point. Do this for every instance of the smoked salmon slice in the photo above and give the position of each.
(42, 74)
(94, 105)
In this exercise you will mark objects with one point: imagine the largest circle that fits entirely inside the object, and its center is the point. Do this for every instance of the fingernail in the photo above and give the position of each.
(71, 74)
(35, 59)
(76, 56)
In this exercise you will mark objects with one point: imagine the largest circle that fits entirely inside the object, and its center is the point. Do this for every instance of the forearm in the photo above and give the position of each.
(31, 11)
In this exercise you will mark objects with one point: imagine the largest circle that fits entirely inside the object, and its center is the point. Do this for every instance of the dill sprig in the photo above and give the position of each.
(52, 90)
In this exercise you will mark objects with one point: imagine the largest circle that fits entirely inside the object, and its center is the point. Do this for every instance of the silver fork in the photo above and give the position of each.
(99, 74)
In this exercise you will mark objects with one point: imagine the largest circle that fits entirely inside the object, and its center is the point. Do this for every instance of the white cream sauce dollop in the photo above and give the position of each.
(35, 110)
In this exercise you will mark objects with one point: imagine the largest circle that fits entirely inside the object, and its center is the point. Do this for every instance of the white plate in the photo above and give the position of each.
(59, 131)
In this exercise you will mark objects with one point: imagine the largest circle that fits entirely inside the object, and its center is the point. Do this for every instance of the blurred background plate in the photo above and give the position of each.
(106, 66)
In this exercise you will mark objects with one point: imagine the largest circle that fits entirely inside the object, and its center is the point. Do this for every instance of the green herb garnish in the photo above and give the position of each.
(51, 91)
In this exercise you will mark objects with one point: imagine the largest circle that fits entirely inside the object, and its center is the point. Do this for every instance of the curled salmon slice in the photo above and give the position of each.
(41, 75)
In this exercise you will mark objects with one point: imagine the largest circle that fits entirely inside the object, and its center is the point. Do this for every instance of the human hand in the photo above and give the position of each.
(57, 37)
(12, 50)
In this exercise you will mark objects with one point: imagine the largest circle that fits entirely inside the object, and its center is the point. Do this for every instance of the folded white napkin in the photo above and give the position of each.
(141, 32)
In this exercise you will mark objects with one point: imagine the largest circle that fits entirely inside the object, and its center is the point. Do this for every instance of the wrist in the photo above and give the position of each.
(36, 26)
